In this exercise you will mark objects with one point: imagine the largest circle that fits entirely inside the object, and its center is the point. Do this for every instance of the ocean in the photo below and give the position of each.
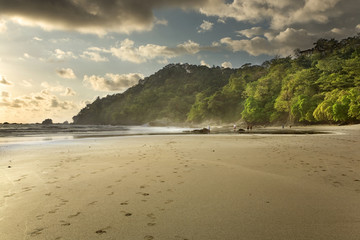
(31, 133)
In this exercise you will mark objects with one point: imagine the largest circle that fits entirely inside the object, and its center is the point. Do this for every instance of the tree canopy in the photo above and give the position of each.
(318, 85)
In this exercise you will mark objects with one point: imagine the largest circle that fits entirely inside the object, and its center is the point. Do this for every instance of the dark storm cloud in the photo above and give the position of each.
(97, 16)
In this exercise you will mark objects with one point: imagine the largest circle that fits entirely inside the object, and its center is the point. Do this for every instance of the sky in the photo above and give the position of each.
(56, 56)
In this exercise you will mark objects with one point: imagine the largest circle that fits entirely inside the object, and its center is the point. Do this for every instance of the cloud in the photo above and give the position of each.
(126, 16)
(286, 13)
(67, 73)
(26, 83)
(37, 39)
(226, 65)
(127, 51)
(68, 92)
(249, 33)
(90, 16)
(36, 102)
(51, 88)
(161, 22)
(94, 56)
(4, 81)
(27, 56)
(292, 24)
(5, 94)
(60, 55)
(35, 107)
(112, 82)
(221, 20)
(203, 63)
(282, 43)
(3, 27)
(205, 26)
(188, 47)
(255, 46)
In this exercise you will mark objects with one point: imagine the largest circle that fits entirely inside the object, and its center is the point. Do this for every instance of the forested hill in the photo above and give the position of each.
(166, 96)
(318, 85)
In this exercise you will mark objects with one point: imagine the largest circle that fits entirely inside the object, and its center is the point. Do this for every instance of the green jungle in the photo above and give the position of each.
(318, 85)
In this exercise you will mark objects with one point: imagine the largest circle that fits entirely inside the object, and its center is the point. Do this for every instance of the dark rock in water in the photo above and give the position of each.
(241, 130)
(201, 131)
(9, 166)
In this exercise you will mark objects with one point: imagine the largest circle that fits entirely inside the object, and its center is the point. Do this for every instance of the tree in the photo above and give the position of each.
(47, 121)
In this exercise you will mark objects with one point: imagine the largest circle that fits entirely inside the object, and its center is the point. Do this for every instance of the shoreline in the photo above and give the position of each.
(23, 137)
(211, 186)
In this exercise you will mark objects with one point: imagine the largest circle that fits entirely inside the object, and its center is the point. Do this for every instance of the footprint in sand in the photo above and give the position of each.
(144, 194)
(151, 216)
(102, 231)
(9, 195)
(74, 176)
(148, 237)
(26, 189)
(169, 201)
(124, 203)
(151, 224)
(39, 217)
(74, 215)
(64, 223)
(53, 211)
(337, 184)
(36, 231)
(51, 182)
(92, 203)
(21, 178)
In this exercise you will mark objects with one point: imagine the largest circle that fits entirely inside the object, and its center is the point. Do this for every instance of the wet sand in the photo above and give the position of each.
(181, 187)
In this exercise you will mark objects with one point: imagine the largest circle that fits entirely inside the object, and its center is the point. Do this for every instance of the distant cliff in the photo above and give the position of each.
(319, 85)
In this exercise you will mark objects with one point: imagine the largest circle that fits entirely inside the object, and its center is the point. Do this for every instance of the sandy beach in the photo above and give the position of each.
(194, 187)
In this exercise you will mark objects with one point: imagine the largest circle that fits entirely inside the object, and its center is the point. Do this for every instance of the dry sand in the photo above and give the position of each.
(193, 187)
